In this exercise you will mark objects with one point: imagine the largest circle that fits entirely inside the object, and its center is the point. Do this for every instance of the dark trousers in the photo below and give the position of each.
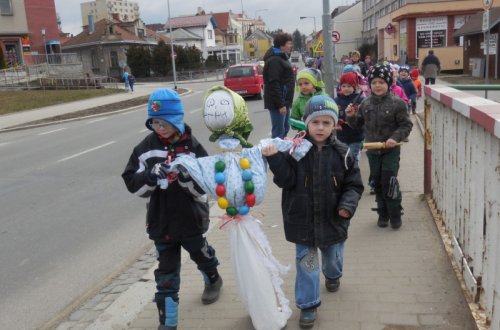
(384, 167)
(279, 123)
(167, 275)
(430, 80)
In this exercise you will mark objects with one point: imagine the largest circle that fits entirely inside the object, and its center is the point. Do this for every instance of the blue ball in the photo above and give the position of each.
(243, 210)
(246, 175)
(220, 178)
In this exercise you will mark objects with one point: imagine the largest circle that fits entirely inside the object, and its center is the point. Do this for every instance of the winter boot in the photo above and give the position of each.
(383, 221)
(332, 285)
(307, 318)
(396, 222)
(212, 291)
(168, 314)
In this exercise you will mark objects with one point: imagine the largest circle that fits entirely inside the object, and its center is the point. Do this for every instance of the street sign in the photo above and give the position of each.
(486, 20)
(487, 4)
(174, 55)
(318, 48)
(336, 36)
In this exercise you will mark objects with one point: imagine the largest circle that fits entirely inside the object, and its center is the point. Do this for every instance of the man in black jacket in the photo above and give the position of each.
(279, 84)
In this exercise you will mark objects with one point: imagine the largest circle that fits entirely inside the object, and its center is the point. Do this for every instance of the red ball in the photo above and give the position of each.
(250, 198)
(220, 190)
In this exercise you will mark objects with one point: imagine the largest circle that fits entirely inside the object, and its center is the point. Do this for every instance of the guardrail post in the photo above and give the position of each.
(427, 148)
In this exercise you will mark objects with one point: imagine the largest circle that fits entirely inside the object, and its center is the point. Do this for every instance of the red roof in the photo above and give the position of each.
(222, 20)
(189, 21)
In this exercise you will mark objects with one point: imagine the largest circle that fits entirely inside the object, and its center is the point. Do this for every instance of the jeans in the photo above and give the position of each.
(355, 149)
(279, 122)
(307, 281)
(430, 81)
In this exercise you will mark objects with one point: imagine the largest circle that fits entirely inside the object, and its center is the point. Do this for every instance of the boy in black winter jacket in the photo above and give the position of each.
(177, 212)
(320, 195)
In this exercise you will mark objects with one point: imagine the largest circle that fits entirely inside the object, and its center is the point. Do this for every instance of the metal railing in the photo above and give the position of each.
(462, 177)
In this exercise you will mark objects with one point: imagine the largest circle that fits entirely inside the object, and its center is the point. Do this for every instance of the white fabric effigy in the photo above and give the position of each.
(257, 272)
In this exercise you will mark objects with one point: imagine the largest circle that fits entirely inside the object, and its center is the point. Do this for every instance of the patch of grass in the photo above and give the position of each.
(14, 101)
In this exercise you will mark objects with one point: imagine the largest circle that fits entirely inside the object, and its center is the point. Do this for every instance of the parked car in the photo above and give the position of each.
(245, 79)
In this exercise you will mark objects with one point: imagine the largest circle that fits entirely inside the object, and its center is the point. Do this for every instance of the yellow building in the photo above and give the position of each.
(256, 44)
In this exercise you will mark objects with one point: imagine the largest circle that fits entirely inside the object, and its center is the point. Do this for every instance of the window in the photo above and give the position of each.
(114, 58)
(6, 7)
(95, 60)
(210, 34)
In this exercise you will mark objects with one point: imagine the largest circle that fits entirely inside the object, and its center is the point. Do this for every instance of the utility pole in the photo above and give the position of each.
(172, 54)
(327, 50)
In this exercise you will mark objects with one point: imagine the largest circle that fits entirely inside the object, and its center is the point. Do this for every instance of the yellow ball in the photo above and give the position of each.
(222, 202)
(244, 163)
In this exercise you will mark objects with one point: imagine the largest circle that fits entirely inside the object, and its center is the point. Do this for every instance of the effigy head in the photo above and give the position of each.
(226, 113)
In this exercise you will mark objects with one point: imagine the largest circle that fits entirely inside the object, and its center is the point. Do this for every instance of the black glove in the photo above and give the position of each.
(158, 171)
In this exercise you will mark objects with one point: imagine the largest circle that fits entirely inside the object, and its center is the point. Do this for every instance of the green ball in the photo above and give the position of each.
(249, 187)
(231, 211)
(220, 166)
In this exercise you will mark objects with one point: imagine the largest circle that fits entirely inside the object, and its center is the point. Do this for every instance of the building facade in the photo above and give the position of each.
(126, 11)
(28, 31)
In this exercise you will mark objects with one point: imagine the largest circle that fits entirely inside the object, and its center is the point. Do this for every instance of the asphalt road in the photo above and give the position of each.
(67, 221)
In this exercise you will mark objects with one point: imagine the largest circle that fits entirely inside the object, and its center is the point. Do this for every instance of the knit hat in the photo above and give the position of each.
(414, 73)
(320, 105)
(380, 71)
(349, 78)
(404, 68)
(166, 104)
(313, 75)
(350, 68)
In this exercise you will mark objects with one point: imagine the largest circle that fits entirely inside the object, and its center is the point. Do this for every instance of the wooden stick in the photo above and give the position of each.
(375, 145)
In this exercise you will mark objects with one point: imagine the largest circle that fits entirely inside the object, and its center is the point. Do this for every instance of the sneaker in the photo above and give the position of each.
(307, 318)
(406, 140)
(396, 222)
(372, 190)
(332, 285)
(382, 221)
(211, 292)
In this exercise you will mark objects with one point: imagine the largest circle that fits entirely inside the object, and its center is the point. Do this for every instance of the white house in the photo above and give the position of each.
(197, 30)
(347, 21)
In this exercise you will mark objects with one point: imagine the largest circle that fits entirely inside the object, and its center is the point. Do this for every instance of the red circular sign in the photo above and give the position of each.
(335, 36)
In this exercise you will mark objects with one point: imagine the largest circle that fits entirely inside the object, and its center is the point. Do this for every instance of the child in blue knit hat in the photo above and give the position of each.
(320, 195)
(177, 210)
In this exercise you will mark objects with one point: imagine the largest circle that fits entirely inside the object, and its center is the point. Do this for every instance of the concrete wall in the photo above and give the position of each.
(451, 58)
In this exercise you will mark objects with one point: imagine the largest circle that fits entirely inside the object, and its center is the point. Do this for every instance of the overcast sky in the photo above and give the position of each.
(279, 14)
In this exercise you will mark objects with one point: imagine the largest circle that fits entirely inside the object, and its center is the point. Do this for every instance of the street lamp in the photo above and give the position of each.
(45, 46)
(313, 17)
(172, 45)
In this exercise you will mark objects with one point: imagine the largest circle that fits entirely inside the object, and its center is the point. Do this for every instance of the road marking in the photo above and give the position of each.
(4, 143)
(144, 130)
(97, 120)
(86, 151)
(53, 131)
(195, 110)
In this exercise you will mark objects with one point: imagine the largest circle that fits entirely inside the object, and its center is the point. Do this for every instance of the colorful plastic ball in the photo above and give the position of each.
(220, 166)
(244, 163)
(250, 199)
(222, 202)
(243, 210)
(246, 175)
(220, 178)
(249, 187)
(232, 211)
(220, 190)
